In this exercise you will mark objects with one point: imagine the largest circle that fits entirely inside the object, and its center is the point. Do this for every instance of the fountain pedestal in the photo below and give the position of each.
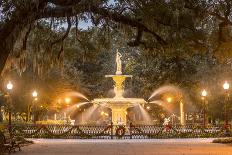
(119, 116)
(119, 84)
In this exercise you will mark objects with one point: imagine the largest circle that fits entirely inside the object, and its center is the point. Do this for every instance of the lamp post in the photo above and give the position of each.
(226, 87)
(204, 94)
(9, 87)
(34, 96)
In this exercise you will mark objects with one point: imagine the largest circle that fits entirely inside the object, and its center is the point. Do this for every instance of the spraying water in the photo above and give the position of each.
(81, 103)
(145, 116)
(89, 112)
(166, 89)
(76, 94)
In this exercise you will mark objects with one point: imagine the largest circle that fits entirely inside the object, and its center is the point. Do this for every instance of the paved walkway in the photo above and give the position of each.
(126, 147)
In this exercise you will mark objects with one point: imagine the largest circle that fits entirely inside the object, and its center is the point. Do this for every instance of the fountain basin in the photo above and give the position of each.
(119, 107)
(119, 102)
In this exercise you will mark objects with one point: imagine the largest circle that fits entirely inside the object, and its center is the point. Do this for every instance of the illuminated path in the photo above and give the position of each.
(126, 147)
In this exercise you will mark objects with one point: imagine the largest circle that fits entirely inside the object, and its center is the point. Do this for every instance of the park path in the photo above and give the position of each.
(126, 147)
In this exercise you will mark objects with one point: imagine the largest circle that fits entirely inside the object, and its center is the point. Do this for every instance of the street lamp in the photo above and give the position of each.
(169, 99)
(9, 87)
(67, 100)
(34, 96)
(226, 87)
(204, 94)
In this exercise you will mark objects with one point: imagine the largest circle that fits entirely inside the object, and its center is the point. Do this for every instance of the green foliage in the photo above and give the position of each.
(223, 140)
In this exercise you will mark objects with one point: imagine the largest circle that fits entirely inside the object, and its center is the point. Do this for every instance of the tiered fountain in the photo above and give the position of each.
(119, 104)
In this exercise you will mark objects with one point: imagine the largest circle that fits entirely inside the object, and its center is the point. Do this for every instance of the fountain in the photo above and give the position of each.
(119, 104)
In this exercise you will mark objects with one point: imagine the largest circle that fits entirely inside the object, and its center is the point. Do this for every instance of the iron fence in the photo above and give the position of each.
(119, 132)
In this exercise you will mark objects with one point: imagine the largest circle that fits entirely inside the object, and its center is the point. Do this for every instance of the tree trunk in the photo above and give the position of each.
(11, 29)
(9, 33)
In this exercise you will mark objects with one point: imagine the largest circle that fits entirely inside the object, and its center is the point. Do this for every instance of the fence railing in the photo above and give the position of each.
(119, 132)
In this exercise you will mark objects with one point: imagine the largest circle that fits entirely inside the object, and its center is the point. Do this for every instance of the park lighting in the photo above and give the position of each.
(35, 94)
(9, 86)
(226, 85)
(204, 93)
(169, 99)
(148, 107)
(78, 106)
(102, 113)
(67, 100)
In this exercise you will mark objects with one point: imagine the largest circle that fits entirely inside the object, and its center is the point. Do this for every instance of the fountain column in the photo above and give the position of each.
(182, 113)
(119, 116)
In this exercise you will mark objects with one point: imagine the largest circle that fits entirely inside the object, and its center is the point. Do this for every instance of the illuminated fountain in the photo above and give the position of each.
(119, 104)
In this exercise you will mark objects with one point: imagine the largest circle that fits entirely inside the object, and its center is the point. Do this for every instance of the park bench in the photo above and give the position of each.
(8, 142)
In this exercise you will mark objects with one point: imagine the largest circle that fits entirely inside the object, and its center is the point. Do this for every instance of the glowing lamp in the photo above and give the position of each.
(169, 99)
(34, 94)
(9, 86)
(226, 85)
(204, 93)
(67, 100)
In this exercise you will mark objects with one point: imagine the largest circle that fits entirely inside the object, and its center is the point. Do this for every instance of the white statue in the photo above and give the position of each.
(166, 121)
(119, 63)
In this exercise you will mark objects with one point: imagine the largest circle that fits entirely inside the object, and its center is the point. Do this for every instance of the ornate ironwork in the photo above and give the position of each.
(187, 131)
(119, 131)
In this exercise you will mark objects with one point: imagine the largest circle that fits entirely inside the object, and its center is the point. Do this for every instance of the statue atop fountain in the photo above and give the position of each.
(118, 63)
(119, 104)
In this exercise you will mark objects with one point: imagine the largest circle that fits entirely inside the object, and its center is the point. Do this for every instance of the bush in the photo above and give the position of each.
(223, 140)
(2, 127)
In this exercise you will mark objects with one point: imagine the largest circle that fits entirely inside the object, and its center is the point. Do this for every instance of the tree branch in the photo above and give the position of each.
(26, 37)
(66, 33)
(137, 40)
(115, 16)
(127, 21)
(64, 2)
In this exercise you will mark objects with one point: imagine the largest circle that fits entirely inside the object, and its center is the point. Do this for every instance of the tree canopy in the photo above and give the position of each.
(183, 42)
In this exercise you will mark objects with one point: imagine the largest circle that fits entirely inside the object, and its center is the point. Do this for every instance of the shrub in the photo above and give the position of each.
(223, 140)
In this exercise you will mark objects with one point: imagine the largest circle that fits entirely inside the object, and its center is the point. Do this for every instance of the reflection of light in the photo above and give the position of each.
(36, 99)
(78, 106)
(148, 107)
(204, 93)
(41, 106)
(102, 113)
(169, 99)
(67, 100)
(9, 86)
(126, 112)
(34, 94)
(226, 85)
